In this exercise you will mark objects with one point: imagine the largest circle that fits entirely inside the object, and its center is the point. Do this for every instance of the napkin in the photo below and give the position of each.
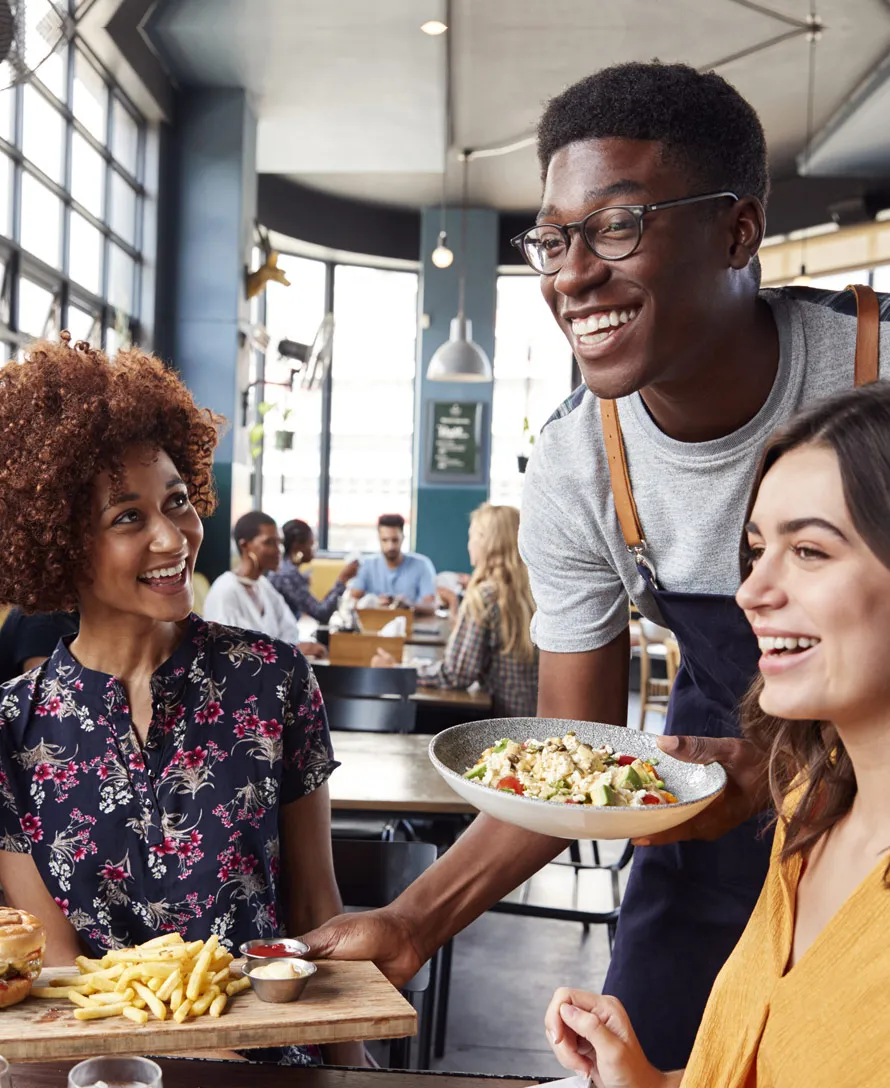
(569, 1082)
(396, 628)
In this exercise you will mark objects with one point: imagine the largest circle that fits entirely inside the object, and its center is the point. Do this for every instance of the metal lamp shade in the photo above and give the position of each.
(459, 359)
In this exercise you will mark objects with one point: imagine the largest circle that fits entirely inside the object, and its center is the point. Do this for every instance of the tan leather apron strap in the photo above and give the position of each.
(625, 507)
(868, 330)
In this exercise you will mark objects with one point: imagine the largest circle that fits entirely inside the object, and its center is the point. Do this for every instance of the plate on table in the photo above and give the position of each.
(454, 751)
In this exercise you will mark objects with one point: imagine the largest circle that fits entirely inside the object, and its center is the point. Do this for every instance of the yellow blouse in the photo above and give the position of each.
(823, 1024)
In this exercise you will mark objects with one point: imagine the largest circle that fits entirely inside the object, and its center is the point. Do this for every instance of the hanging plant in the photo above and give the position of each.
(256, 432)
(528, 442)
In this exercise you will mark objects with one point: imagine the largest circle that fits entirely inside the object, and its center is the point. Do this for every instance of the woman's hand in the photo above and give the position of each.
(449, 598)
(382, 660)
(348, 572)
(592, 1035)
(311, 649)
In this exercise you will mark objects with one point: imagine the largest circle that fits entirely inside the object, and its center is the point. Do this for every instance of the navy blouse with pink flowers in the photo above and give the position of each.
(182, 834)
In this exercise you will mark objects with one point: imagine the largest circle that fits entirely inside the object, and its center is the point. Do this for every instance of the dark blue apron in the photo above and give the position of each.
(686, 905)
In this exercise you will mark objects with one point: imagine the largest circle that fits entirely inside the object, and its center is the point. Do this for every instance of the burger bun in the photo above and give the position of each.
(14, 990)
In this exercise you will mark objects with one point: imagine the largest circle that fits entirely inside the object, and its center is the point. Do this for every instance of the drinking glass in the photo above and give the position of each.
(115, 1073)
(5, 1075)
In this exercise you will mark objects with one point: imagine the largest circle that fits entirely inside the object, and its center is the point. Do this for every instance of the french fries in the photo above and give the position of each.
(165, 978)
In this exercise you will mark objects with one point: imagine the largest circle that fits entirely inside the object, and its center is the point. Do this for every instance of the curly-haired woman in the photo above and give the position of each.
(490, 644)
(158, 772)
(802, 999)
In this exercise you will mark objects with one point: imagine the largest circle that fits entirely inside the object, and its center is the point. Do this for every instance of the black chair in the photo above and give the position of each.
(368, 700)
(372, 874)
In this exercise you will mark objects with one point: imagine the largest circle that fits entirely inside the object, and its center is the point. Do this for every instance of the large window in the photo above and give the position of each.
(372, 403)
(290, 476)
(339, 454)
(532, 376)
(71, 203)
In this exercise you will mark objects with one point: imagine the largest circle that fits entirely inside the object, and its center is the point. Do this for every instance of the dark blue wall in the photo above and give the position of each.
(214, 175)
(442, 510)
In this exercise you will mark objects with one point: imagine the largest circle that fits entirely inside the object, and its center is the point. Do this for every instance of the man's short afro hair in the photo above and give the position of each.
(703, 123)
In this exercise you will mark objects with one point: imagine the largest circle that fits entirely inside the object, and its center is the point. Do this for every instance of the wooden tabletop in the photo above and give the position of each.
(212, 1074)
(479, 700)
(389, 772)
(343, 1001)
(430, 631)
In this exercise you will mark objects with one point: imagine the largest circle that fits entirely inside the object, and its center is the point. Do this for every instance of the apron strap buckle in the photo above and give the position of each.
(638, 551)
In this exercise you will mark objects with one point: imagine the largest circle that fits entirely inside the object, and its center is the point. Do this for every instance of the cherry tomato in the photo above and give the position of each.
(511, 783)
(625, 761)
(651, 799)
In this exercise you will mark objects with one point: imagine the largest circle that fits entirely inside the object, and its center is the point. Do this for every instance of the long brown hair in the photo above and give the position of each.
(810, 755)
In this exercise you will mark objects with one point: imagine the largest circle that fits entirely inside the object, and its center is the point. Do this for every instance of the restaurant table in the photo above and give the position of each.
(390, 772)
(430, 631)
(457, 697)
(179, 1073)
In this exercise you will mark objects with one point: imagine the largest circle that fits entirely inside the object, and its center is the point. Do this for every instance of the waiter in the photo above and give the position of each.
(655, 183)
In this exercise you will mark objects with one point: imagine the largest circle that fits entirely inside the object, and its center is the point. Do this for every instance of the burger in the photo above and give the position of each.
(22, 941)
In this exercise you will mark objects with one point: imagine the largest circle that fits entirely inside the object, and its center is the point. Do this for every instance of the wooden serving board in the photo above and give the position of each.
(342, 1002)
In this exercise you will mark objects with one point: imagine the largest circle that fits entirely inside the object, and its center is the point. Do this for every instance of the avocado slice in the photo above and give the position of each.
(603, 794)
(643, 775)
(628, 779)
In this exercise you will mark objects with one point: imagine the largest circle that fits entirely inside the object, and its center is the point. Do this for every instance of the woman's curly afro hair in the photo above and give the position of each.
(67, 414)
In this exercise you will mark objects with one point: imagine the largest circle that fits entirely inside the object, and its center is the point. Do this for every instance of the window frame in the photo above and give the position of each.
(330, 265)
(19, 261)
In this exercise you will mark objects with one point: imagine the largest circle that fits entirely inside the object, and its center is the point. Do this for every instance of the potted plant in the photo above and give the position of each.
(528, 444)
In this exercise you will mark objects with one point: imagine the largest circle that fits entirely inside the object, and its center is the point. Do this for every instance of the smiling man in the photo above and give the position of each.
(655, 182)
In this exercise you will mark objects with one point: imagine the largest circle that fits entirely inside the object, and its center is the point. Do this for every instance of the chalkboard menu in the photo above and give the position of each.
(455, 440)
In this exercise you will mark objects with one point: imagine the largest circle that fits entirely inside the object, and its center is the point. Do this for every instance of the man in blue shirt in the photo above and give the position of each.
(396, 576)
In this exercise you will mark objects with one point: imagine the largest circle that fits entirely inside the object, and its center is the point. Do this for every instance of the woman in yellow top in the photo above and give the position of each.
(802, 1001)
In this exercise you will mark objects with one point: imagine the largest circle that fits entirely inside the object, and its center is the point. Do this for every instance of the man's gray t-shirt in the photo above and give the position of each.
(691, 496)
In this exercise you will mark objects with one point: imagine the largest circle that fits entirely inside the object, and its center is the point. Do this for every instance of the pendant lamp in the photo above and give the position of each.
(460, 359)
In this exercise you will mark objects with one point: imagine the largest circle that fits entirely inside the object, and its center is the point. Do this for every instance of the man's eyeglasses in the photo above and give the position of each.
(611, 233)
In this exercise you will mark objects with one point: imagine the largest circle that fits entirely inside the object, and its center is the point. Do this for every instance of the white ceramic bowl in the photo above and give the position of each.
(455, 750)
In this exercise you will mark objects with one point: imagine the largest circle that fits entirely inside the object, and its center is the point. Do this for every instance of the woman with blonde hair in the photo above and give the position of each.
(491, 644)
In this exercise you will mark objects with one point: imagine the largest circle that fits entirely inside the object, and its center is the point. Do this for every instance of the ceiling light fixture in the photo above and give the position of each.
(434, 27)
(460, 359)
(442, 255)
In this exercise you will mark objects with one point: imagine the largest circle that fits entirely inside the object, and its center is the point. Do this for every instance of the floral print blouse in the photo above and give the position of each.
(183, 833)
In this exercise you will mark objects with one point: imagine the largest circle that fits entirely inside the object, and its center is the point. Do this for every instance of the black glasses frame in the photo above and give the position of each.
(637, 210)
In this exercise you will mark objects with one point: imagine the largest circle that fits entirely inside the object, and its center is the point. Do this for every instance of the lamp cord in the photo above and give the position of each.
(812, 38)
(449, 114)
(461, 282)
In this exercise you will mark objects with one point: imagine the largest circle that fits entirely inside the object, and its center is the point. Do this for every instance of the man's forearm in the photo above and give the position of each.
(489, 860)
(492, 858)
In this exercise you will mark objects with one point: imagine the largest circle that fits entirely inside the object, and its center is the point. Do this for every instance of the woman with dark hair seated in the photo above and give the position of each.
(244, 597)
(802, 999)
(293, 585)
(158, 772)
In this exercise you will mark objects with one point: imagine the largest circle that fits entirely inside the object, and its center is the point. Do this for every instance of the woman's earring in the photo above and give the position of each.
(298, 558)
